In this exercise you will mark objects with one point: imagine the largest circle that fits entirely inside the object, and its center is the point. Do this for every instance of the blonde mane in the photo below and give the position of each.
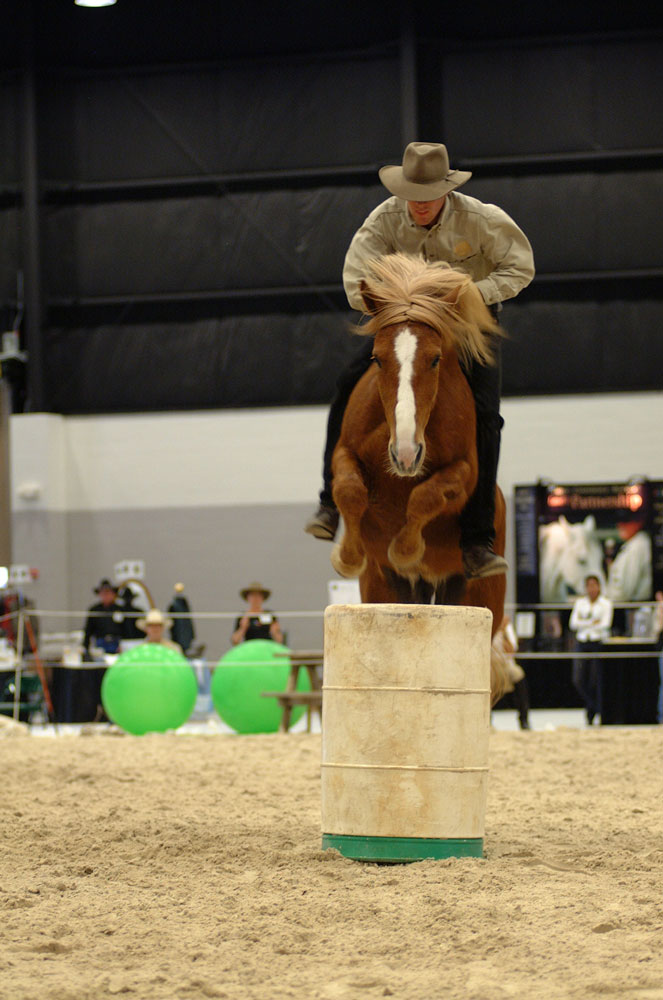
(401, 289)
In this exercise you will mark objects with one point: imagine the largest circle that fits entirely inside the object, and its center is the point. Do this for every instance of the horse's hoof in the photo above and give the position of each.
(405, 558)
(344, 567)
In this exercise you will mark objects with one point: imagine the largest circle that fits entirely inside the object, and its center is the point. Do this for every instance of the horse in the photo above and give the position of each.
(406, 462)
(569, 552)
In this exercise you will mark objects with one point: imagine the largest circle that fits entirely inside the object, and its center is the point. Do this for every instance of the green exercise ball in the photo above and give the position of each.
(241, 676)
(149, 689)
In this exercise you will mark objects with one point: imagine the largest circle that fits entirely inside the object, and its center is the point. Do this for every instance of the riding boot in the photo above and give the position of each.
(324, 522)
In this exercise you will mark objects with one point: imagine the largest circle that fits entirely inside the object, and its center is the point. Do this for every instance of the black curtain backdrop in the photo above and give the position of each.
(194, 221)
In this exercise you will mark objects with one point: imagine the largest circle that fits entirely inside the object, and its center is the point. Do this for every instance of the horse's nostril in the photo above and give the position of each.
(418, 455)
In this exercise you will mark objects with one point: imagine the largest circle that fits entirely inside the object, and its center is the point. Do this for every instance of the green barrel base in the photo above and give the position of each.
(399, 850)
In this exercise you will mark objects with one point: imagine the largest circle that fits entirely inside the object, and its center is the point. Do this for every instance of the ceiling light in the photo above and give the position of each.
(94, 3)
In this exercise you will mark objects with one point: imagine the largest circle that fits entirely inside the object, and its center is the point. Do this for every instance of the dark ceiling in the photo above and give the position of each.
(139, 32)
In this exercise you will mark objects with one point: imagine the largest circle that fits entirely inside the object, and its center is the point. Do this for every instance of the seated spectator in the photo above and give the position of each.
(154, 624)
(590, 619)
(258, 622)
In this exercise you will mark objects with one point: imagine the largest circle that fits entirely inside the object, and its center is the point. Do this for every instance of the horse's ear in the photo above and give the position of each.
(452, 295)
(467, 301)
(368, 300)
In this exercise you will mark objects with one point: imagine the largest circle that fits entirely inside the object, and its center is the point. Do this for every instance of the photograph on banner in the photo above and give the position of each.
(566, 532)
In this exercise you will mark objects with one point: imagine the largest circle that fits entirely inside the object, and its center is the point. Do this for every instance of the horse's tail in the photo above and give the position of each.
(500, 679)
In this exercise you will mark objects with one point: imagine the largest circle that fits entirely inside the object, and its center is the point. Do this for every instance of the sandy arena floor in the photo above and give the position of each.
(190, 867)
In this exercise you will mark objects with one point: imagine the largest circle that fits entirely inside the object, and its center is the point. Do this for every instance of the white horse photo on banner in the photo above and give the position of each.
(568, 553)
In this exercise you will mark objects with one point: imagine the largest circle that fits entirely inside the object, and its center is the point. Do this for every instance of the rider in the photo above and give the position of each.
(428, 218)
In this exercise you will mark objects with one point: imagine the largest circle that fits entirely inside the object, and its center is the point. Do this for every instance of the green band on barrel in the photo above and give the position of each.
(395, 849)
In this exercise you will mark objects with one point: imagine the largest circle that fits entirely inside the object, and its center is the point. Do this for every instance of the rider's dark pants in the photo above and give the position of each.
(477, 519)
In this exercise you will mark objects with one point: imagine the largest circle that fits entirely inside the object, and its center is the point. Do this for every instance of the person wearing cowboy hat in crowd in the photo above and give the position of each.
(104, 626)
(427, 217)
(258, 622)
(77, 693)
(153, 624)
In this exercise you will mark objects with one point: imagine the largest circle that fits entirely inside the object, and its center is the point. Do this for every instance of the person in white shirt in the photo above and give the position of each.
(591, 619)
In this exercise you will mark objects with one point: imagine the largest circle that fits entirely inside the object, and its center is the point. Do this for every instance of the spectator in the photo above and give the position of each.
(153, 624)
(104, 627)
(591, 619)
(78, 692)
(182, 631)
(258, 622)
(131, 613)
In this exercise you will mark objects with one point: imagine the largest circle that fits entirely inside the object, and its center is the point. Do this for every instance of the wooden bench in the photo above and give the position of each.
(309, 660)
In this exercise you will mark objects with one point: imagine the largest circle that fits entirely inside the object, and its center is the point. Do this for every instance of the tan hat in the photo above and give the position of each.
(425, 173)
(254, 587)
(153, 617)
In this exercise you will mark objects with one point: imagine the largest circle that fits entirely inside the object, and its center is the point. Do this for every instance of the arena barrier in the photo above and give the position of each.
(58, 636)
(405, 731)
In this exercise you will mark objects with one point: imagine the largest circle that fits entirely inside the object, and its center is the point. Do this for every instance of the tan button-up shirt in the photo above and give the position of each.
(479, 239)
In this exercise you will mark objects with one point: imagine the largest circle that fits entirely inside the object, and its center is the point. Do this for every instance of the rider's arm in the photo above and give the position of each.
(505, 245)
(370, 241)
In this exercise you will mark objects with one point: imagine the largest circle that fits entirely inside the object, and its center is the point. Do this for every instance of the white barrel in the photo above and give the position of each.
(405, 730)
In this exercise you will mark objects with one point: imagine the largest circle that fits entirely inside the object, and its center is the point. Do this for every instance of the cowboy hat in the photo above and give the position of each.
(425, 174)
(254, 588)
(105, 585)
(153, 617)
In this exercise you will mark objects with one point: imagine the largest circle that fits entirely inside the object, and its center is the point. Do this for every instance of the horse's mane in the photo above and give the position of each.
(399, 288)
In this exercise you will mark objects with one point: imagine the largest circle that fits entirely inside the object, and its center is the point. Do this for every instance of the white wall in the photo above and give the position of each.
(208, 459)
(236, 457)
(582, 439)
(111, 485)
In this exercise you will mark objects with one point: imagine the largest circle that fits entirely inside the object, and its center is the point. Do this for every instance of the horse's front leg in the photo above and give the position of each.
(351, 497)
(445, 492)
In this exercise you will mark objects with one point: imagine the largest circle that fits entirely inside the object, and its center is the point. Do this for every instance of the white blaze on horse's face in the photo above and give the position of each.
(407, 358)
(406, 447)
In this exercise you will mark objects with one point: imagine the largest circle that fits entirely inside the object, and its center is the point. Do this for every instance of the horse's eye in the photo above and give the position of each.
(377, 360)
(435, 362)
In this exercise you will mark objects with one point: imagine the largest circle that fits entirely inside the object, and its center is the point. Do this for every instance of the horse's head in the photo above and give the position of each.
(423, 316)
(408, 358)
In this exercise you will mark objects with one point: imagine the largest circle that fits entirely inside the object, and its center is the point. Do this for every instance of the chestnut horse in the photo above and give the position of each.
(406, 461)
